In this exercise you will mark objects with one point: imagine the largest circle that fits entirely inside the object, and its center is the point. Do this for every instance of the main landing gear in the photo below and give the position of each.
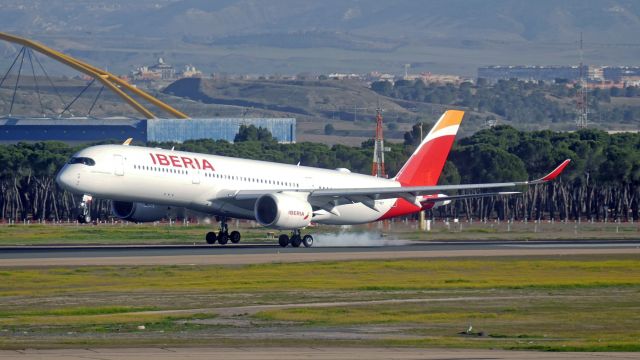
(223, 236)
(296, 239)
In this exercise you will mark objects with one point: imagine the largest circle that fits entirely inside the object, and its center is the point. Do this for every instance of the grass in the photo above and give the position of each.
(578, 323)
(119, 233)
(388, 275)
(76, 311)
(541, 303)
(161, 233)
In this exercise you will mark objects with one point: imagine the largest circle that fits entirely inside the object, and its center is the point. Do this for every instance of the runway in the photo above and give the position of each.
(317, 353)
(263, 253)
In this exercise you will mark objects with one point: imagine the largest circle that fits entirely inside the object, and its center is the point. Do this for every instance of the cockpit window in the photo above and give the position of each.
(82, 160)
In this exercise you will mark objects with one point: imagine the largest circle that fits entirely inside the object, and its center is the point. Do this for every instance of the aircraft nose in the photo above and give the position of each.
(65, 178)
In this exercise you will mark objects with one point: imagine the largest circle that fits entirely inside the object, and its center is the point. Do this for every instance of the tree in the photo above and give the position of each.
(329, 129)
(251, 133)
(413, 137)
(382, 87)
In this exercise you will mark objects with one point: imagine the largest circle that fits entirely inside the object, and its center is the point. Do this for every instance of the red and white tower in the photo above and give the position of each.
(582, 106)
(378, 151)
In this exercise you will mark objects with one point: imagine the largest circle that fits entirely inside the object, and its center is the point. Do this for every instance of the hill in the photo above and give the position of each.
(285, 36)
(523, 105)
(348, 106)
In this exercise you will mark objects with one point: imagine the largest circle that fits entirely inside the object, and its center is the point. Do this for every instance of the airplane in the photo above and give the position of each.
(144, 183)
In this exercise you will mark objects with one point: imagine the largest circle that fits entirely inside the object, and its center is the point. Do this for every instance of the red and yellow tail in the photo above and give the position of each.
(425, 164)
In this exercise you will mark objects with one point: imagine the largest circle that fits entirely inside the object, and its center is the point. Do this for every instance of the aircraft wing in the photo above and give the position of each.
(466, 196)
(412, 194)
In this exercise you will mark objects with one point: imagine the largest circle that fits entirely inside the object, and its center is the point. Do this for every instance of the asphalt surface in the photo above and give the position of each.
(29, 252)
(263, 253)
(316, 353)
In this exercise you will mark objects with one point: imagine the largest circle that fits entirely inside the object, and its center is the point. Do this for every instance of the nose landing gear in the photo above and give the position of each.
(223, 236)
(84, 210)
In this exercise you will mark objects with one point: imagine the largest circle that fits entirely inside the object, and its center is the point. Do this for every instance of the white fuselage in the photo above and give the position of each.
(205, 183)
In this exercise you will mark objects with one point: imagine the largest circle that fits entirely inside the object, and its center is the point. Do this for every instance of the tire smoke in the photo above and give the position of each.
(362, 239)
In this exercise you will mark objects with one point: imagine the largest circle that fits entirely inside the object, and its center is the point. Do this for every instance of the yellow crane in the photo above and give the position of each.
(109, 80)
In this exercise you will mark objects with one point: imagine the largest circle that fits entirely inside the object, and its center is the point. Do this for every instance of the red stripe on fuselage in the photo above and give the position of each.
(400, 208)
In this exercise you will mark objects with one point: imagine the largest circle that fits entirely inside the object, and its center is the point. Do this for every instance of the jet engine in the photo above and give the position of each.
(138, 212)
(282, 211)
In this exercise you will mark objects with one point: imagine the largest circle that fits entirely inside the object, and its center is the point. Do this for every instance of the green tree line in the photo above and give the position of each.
(602, 182)
(515, 100)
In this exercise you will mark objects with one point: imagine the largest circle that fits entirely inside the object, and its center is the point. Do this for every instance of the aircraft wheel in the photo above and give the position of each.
(307, 241)
(296, 241)
(84, 219)
(283, 240)
(211, 238)
(234, 237)
(223, 238)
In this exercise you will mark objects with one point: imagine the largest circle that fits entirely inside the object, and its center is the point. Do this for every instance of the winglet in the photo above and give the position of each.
(127, 142)
(554, 174)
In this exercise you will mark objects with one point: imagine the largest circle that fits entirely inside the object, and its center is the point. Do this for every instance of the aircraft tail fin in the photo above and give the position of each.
(426, 163)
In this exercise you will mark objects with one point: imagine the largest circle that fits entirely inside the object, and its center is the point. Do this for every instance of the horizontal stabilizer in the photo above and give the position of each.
(468, 196)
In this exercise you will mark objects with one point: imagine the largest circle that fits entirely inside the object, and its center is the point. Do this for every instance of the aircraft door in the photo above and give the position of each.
(308, 183)
(195, 178)
(118, 163)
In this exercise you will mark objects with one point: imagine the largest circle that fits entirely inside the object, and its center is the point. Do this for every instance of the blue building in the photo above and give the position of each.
(179, 130)
(85, 130)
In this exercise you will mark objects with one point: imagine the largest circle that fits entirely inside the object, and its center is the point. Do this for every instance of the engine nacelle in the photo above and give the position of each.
(282, 211)
(138, 212)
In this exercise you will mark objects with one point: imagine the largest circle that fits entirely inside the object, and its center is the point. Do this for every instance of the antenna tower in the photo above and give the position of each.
(582, 107)
(378, 151)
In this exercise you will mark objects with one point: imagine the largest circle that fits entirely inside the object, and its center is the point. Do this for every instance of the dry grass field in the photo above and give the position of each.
(560, 303)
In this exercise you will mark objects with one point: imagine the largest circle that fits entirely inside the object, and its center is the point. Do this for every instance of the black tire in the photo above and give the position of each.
(223, 238)
(81, 219)
(211, 238)
(283, 240)
(234, 237)
(296, 241)
(307, 241)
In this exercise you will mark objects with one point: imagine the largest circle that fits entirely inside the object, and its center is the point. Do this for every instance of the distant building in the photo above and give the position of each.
(430, 78)
(616, 73)
(191, 71)
(605, 84)
(378, 76)
(343, 76)
(631, 80)
(179, 130)
(607, 74)
(159, 71)
(596, 73)
(530, 73)
(85, 130)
